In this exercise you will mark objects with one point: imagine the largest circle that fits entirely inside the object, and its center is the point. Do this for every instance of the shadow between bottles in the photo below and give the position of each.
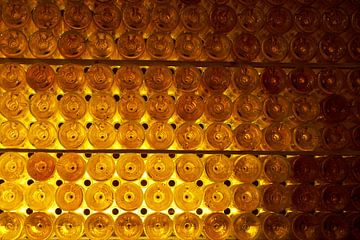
(348, 65)
(167, 151)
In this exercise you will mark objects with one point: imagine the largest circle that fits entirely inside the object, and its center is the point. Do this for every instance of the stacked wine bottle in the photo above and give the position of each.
(244, 30)
(184, 119)
(173, 190)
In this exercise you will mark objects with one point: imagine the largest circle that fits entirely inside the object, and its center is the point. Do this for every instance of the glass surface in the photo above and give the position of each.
(275, 226)
(189, 167)
(306, 137)
(246, 197)
(11, 196)
(334, 226)
(158, 196)
(252, 19)
(223, 18)
(41, 166)
(99, 196)
(158, 78)
(71, 166)
(99, 226)
(131, 45)
(42, 44)
(279, 20)
(40, 76)
(101, 45)
(69, 225)
(39, 225)
(275, 197)
(217, 196)
(218, 107)
(274, 48)
(276, 168)
(247, 168)
(303, 47)
(305, 169)
(165, 17)
(102, 105)
(353, 47)
(246, 226)
(302, 80)
(353, 80)
(107, 16)
(158, 226)
(276, 108)
(188, 196)
(305, 197)
(129, 77)
(46, 15)
(71, 44)
(217, 46)
(72, 106)
(101, 134)
(131, 106)
(12, 225)
(70, 77)
(335, 137)
(12, 76)
(99, 77)
(136, 17)
(12, 133)
(332, 47)
(273, 79)
(39, 196)
(246, 79)
(247, 136)
(218, 168)
(333, 198)
(188, 46)
(194, 18)
(129, 196)
(335, 20)
(160, 167)
(12, 166)
(189, 136)
(100, 167)
(130, 167)
(190, 106)
(77, 15)
(160, 135)
(128, 226)
(160, 106)
(160, 45)
(14, 105)
(217, 226)
(15, 14)
(331, 80)
(305, 108)
(307, 19)
(216, 79)
(219, 136)
(69, 196)
(246, 47)
(187, 225)
(305, 226)
(277, 136)
(162, 119)
(187, 78)
(72, 134)
(131, 134)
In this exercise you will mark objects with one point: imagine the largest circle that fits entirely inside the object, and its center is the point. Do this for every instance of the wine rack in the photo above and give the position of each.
(178, 119)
